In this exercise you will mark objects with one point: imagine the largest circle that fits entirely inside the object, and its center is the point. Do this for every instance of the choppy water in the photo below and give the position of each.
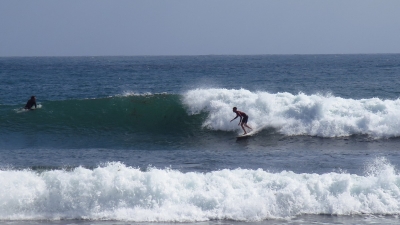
(148, 139)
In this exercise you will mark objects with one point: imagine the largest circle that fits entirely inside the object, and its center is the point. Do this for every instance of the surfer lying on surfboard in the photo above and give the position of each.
(243, 119)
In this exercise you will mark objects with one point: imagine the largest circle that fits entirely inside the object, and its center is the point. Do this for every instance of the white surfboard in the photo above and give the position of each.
(246, 135)
(21, 110)
(251, 133)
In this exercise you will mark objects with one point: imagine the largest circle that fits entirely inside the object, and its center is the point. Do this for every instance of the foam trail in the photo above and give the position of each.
(117, 192)
(301, 114)
(20, 110)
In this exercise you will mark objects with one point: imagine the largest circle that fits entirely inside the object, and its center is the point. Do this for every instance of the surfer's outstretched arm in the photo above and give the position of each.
(234, 118)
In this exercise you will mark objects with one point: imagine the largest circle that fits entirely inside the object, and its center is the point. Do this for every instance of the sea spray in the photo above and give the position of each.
(115, 191)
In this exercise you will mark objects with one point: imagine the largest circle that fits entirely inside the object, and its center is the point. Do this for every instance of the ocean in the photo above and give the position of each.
(148, 140)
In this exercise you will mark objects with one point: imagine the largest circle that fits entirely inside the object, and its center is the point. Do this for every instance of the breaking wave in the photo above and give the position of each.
(301, 114)
(117, 192)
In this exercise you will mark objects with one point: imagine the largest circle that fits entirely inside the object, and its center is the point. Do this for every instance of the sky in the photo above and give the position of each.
(194, 27)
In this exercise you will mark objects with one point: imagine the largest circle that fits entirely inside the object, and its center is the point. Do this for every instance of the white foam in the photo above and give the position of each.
(20, 110)
(131, 93)
(301, 114)
(117, 192)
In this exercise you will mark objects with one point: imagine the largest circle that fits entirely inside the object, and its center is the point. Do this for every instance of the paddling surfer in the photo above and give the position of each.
(31, 102)
(243, 119)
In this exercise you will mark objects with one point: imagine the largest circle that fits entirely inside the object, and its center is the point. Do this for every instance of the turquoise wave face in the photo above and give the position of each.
(152, 113)
(146, 120)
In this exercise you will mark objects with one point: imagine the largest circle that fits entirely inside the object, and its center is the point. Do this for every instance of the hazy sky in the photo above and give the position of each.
(194, 27)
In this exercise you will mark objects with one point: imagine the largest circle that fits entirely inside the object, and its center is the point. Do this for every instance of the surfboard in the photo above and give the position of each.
(21, 110)
(249, 134)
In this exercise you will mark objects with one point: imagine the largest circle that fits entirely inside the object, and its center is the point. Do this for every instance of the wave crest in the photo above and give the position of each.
(301, 114)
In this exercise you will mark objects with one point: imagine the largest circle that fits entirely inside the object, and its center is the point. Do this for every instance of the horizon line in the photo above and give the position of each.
(185, 55)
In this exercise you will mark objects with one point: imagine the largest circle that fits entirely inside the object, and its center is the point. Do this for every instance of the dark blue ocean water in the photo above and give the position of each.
(148, 139)
(61, 78)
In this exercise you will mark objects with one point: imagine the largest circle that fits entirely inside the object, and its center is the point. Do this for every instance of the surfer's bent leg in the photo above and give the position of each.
(244, 122)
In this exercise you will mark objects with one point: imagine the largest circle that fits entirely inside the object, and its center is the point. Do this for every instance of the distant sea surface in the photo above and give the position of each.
(148, 140)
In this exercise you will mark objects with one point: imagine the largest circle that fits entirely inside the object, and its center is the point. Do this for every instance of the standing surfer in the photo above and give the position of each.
(243, 119)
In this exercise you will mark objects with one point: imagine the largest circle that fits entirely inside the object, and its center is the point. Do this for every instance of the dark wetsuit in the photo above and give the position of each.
(30, 104)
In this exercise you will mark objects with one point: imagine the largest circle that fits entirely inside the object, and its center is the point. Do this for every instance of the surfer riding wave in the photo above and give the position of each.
(243, 119)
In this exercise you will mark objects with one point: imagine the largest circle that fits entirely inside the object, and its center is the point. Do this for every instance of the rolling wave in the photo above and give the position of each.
(199, 110)
(133, 113)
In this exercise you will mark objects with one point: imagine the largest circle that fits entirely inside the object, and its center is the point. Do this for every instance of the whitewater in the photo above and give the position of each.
(299, 114)
(117, 192)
